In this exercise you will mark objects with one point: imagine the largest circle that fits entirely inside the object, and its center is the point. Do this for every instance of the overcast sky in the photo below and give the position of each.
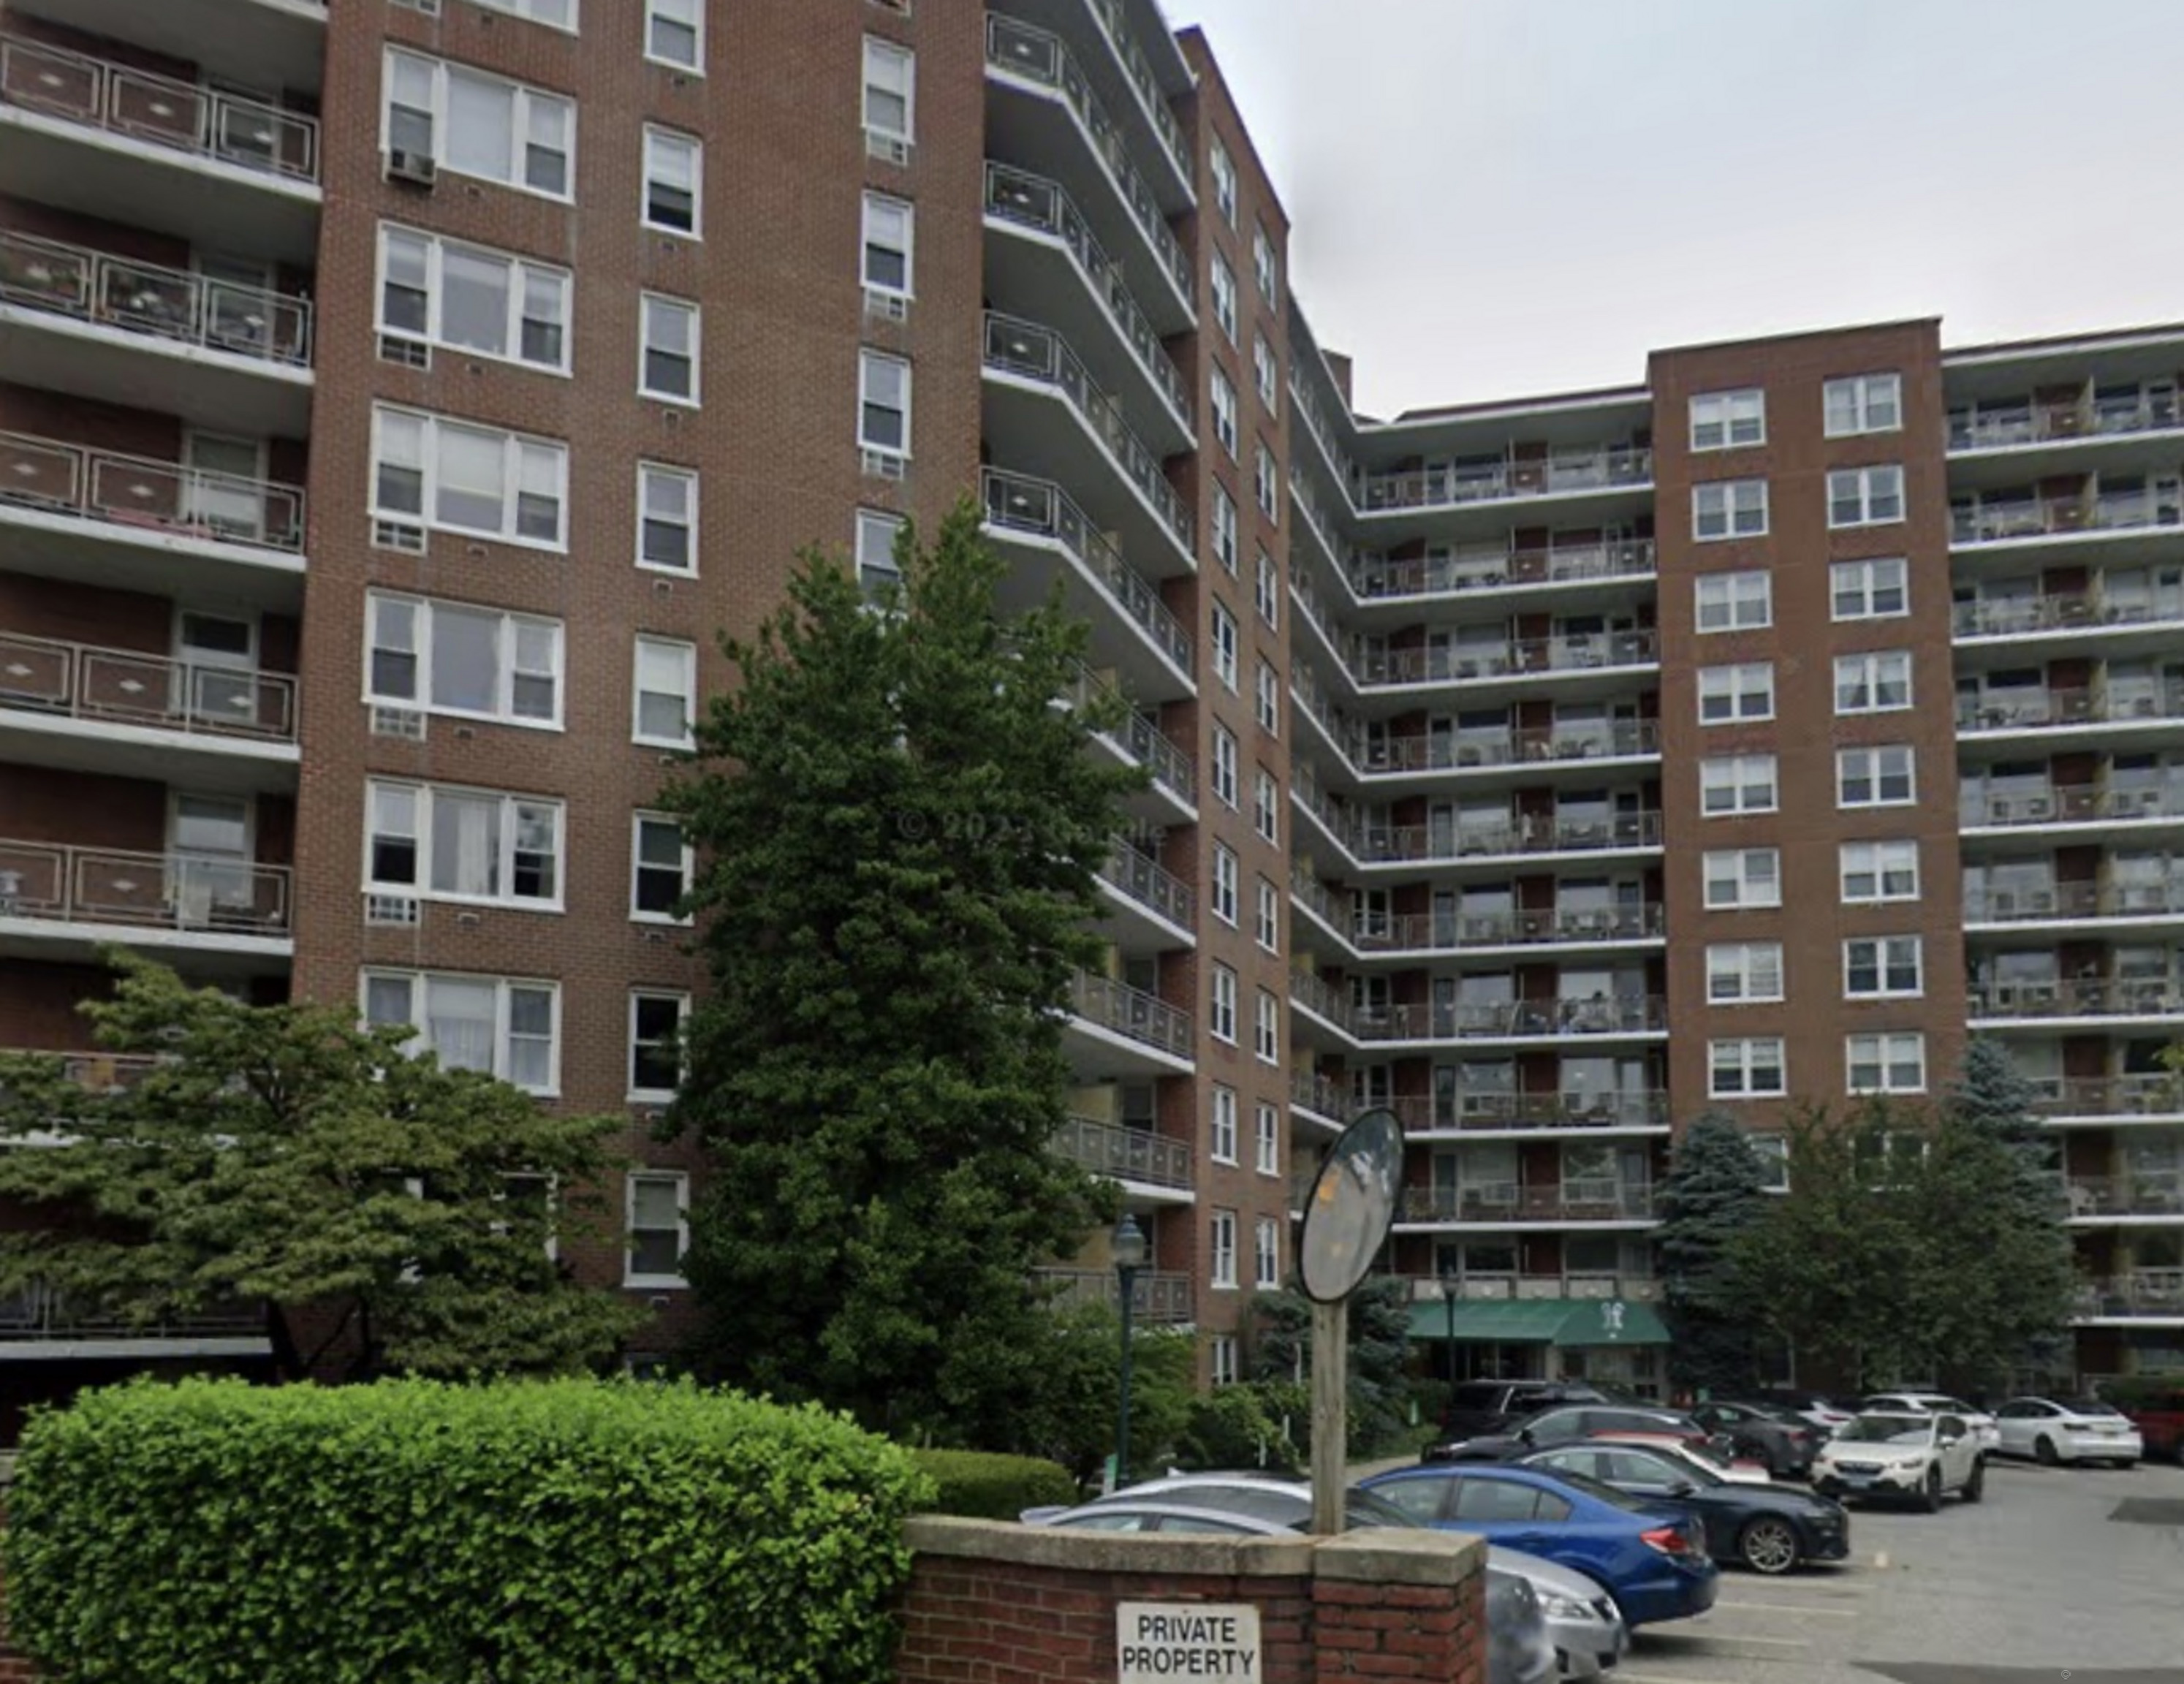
(1505, 197)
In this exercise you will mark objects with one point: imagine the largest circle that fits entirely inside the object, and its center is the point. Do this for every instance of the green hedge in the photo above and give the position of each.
(989, 1487)
(410, 1532)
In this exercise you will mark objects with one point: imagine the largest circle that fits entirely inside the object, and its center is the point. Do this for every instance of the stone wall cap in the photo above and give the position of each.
(1394, 1555)
(1090, 1551)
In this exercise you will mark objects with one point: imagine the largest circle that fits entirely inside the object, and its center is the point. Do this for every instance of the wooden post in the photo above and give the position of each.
(1330, 1414)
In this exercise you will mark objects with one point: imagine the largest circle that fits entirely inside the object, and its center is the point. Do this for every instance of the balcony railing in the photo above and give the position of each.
(2076, 804)
(2142, 1094)
(1471, 1288)
(2035, 423)
(125, 687)
(1030, 352)
(1143, 881)
(1617, 1014)
(1377, 843)
(1570, 652)
(2148, 1193)
(1996, 522)
(1116, 26)
(54, 478)
(159, 110)
(1016, 503)
(1142, 740)
(102, 1071)
(1577, 1108)
(1595, 470)
(70, 884)
(2078, 997)
(1126, 1154)
(1306, 404)
(1534, 745)
(1601, 1200)
(2036, 710)
(1035, 202)
(1432, 575)
(2018, 615)
(2142, 1292)
(1130, 1013)
(1322, 1094)
(150, 299)
(1430, 932)
(2074, 900)
(1156, 1295)
(42, 1313)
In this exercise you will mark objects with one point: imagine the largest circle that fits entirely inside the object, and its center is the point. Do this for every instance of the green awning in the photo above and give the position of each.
(1541, 1321)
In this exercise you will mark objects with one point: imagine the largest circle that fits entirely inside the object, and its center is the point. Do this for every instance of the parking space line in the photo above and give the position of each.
(1765, 1643)
(1806, 1608)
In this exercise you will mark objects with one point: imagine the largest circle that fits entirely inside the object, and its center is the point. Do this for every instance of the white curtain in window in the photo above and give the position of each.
(459, 1019)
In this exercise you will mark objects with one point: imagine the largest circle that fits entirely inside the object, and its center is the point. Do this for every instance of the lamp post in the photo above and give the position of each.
(1129, 1246)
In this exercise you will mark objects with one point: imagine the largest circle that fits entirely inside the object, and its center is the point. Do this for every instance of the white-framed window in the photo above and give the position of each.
(1721, 420)
(1266, 1028)
(1736, 693)
(665, 692)
(1224, 766)
(500, 1026)
(1879, 589)
(1729, 508)
(1223, 1024)
(675, 33)
(890, 244)
(1885, 1063)
(1865, 497)
(1223, 289)
(1267, 1157)
(1863, 402)
(1224, 411)
(1742, 878)
(436, 291)
(884, 403)
(1266, 374)
(1749, 1067)
(1267, 1254)
(1884, 968)
(1221, 1143)
(1224, 645)
(1228, 873)
(1264, 267)
(1773, 1152)
(1223, 1230)
(1224, 528)
(1267, 591)
(481, 847)
(449, 476)
(1878, 681)
(1886, 776)
(471, 123)
(655, 1042)
(876, 535)
(1879, 871)
(890, 99)
(1737, 783)
(1269, 929)
(451, 658)
(1267, 697)
(1265, 483)
(1267, 807)
(1223, 169)
(656, 1220)
(668, 350)
(661, 863)
(1743, 973)
(560, 14)
(674, 183)
(667, 518)
(1734, 602)
(1221, 1358)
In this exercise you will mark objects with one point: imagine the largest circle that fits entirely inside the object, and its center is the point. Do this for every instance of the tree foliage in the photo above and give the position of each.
(1069, 1417)
(1713, 1195)
(899, 830)
(1379, 1344)
(287, 1155)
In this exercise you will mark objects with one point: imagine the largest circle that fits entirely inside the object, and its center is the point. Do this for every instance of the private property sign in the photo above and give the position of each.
(1158, 1642)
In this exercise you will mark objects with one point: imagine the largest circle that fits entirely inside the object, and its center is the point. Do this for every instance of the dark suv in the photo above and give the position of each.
(1477, 1407)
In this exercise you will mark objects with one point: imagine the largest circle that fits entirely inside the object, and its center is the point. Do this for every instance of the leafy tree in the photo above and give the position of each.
(1379, 1342)
(899, 831)
(285, 1154)
(1070, 1417)
(1714, 1194)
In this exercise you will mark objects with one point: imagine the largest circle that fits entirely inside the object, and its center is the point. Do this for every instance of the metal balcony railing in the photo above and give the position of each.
(1608, 466)
(100, 1072)
(1142, 740)
(1620, 1014)
(1156, 1295)
(1125, 1154)
(144, 107)
(1320, 1094)
(126, 687)
(1998, 521)
(2078, 997)
(1116, 28)
(1143, 881)
(2074, 804)
(68, 884)
(1571, 652)
(151, 299)
(2074, 900)
(1419, 1114)
(2067, 611)
(1306, 404)
(1380, 576)
(2145, 1193)
(2029, 710)
(1592, 1200)
(1473, 1287)
(1018, 502)
(2144, 1094)
(1030, 352)
(41, 1312)
(1131, 1013)
(2142, 1292)
(1541, 833)
(1424, 932)
(1534, 745)
(53, 479)
(1998, 427)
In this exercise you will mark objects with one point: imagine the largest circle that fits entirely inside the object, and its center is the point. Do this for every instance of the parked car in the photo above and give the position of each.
(1487, 1406)
(1580, 1420)
(1938, 1403)
(1707, 1459)
(2156, 1408)
(1918, 1456)
(1770, 1529)
(1766, 1432)
(1821, 1410)
(1650, 1558)
(2078, 1430)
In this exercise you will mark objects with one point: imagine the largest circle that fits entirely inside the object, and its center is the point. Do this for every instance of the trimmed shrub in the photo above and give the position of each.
(412, 1532)
(1238, 1426)
(989, 1487)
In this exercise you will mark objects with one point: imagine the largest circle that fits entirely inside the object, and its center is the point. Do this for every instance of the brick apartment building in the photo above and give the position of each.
(1487, 744)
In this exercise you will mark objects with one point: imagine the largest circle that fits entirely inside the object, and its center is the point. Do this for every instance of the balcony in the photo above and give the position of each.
(1118, 1031)
(2145, 1295)
(1370, 844)
(134, 715)
(1607, 1017)
(2076, 804)
(1326, 1101)
(2075, 903)
(244, 43)
(1138, 1158)
(1420, 932)
(1426, 1289)
(2020, 425)
(2008, 1005)
(1138, 740)
(55, 897)
(222, 171)
(2149, 1196)
(2003, 713)
(41, 1324)
(2066, 1100)
(1577, 1110)
(1602, 1202)
(2022, 623)
(1161, 1296)
(1565, 473)
(99, 1072)
(1564, 566)
(1153, 910)
(2025, 520)
(1526, 658)
(1128, 85)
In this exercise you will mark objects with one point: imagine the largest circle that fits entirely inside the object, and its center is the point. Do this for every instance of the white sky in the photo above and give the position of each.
(1508, 197)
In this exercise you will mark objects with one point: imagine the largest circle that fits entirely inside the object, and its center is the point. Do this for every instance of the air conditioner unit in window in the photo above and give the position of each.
(886, 306)
(397, 535)
(887, 147)
(398, 910)
(885, 465)
(418, 169)
(409, 353)
(399, 721)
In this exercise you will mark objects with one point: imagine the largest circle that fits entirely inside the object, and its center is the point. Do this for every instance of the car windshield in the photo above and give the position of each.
(1887, 1429)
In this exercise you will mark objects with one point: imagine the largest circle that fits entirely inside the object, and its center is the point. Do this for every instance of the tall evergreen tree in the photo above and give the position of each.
(1376, 1368)
(1990, 1096)
(1714, 1192)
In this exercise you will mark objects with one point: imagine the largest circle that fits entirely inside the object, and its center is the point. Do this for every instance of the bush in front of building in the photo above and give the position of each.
(416, 1532)
(986, 1486)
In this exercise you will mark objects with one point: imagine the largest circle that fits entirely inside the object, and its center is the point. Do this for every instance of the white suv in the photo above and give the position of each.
(1918, 1458)
(1941, 1404)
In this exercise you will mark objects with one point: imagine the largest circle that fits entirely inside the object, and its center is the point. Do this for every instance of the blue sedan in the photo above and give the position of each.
(1651, 1559)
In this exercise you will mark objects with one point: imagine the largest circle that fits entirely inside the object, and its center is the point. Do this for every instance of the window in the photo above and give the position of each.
(1224, 412)
(471, 298)
(675, 33)
(1877, 589)
(1879, 682)
(1265, 483)
(1879, 871)
(1265, 1253)
(1225, 1008)
(1226, 876)
(560, 14)
(1224, 528)
(1267, 1025)
(666, 692)
(1270, 916)
(1885, 1064)
(1224, 169)
(1865, 402)
(1884, 967)
(1741, 973)
(491, 1025)
(660, 867)
(1264, 269)
(1267, 1157)
(1222, 1354)
(1736, 783)
(876, 532)
(1267, 695)
(890, 99)
(1266, 374)
(1749, 1069)
(1723, 420)
(656, 1037)
(1267, 591)
(1865, 497)
(1223, 1246)
(1729, 508)
(471, 123)
(1267, 807)
(1773, 1152)
(463, 845)
(1743, 876)
(477, 663)
(1224, 296)
(884, 403)
(674, 181)
(1877, 778)
(890, 227)
(1222, 1144)
(1224, 646)
(669, 336)
(455, 477)
(1735, 602)
(1745, 691)
(657, 1216)
(1224, 766)
(667, 518)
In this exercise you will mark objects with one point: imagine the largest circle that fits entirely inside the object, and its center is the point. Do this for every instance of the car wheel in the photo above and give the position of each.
(1929, 1493)
(1975, 1487)
(2044, 1452)
(1767, 1545)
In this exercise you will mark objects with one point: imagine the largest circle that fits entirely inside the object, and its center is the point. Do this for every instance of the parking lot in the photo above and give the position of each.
(2042, 1580)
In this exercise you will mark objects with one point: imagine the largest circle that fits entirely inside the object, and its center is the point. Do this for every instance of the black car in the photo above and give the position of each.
(1487, 1406)
(1766, 1432)
(1571, 1422)
(1767, 1528)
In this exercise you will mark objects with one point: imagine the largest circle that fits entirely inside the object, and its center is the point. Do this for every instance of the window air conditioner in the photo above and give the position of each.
(418, 169)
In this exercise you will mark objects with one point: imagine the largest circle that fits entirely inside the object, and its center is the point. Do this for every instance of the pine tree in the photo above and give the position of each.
(1714, 1194)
